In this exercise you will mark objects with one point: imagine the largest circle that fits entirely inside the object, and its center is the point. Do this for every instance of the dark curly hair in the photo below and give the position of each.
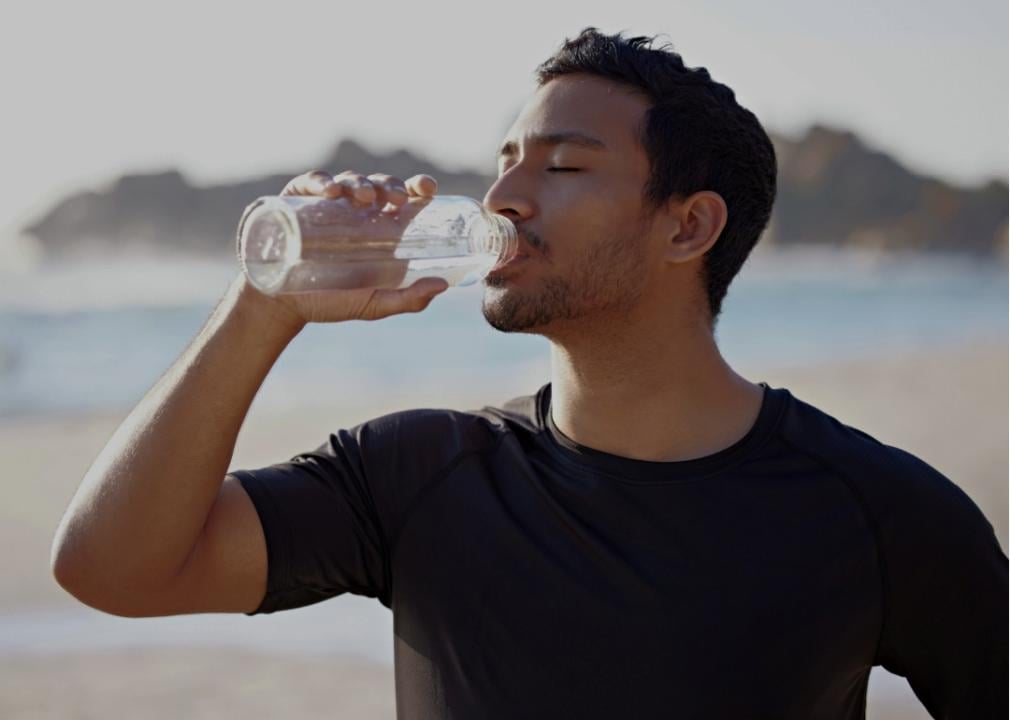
(697, 137)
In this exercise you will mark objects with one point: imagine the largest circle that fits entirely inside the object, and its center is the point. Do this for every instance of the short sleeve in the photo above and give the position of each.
(945, 595)
(323, 532)
(331, 516)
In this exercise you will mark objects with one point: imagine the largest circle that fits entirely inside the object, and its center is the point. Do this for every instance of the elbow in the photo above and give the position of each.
(113, 595)
(83, 585)
(98, 597)
(67, 577)
(60, 566)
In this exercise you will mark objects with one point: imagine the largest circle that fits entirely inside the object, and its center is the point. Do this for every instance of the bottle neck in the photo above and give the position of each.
(503, 236)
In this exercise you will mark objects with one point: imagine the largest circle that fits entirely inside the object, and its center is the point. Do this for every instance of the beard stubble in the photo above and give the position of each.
(604, 283)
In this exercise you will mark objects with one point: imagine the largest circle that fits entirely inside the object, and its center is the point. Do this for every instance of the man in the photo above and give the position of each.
(647, 535)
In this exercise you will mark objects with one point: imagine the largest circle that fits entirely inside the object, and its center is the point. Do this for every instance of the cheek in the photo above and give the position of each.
(588, 206)
(587, 219)
(582, 210)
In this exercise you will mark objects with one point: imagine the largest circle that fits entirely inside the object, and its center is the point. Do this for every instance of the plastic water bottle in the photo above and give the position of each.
(292, 244)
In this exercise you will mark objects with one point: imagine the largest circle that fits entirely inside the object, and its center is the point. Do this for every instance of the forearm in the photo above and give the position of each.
(142, 504)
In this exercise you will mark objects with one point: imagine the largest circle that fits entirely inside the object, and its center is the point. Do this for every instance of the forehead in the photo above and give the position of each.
(585, 104)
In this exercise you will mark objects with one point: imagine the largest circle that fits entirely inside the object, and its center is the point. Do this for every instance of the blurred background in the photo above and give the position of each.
(136, 133)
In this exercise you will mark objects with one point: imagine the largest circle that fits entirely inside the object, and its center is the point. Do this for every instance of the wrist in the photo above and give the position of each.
(263, 310)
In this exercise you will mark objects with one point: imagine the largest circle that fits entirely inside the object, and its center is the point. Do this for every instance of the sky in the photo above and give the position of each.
(224, 90)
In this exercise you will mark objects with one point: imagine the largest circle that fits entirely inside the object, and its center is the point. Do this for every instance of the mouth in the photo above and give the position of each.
(512, 262)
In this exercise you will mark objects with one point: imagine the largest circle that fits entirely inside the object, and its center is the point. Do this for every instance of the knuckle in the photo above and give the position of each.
(355, 179)
(389, 184)
(418, 182)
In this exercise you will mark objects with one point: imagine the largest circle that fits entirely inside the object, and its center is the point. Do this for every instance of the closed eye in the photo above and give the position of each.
(562, 169)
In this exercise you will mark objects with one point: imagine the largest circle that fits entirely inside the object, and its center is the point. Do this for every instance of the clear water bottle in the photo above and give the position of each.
(292, 244)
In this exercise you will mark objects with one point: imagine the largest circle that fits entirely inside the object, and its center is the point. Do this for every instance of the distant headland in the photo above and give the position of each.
(832, 191)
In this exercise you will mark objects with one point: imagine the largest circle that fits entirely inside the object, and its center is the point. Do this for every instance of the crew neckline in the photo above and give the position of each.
(631, 470)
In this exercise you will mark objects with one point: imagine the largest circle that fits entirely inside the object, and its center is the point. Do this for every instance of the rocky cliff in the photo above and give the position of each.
(833, 190)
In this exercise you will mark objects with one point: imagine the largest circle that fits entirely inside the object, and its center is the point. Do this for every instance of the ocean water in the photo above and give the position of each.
(97, 334)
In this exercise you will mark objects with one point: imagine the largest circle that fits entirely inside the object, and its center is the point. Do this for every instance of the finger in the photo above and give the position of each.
(356, 186)
(314, 182)
(422, 186)
(390, 189)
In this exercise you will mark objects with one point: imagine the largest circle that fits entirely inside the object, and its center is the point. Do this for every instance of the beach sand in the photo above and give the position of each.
(205, 684)
(948, 407)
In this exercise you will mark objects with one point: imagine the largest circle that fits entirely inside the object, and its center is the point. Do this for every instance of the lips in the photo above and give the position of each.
(523, 251)
(511, 262)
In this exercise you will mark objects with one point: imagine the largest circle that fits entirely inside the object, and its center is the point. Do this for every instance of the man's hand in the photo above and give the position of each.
(388, 195)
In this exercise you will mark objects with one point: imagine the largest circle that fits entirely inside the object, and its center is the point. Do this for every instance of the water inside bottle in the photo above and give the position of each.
(457, 270)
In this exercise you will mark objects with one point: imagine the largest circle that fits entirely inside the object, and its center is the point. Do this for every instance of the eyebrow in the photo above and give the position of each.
(510, 147)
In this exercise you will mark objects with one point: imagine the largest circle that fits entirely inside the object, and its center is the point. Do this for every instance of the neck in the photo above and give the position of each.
(667, 396)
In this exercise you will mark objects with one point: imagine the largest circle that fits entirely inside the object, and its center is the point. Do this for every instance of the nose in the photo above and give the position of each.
(507, 198)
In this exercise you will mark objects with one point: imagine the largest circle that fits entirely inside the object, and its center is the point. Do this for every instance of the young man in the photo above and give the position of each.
(647, 535)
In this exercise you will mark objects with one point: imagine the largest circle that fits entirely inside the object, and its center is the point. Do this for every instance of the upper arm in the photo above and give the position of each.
(945, 596)
(315, 526)
(226, 571)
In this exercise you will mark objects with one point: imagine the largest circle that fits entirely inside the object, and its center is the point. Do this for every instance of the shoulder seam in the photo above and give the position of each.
(864, 509)
(430, 485)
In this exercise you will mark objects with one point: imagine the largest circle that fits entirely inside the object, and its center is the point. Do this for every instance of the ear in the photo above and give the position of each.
(702, 217)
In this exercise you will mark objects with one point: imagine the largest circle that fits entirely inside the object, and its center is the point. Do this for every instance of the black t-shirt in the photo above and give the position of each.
(533, 577)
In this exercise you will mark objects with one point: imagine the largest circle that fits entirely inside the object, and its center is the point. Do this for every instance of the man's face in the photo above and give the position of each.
(578, 206)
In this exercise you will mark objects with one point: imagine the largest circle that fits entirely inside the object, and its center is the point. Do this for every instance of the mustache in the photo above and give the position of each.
(532, 239)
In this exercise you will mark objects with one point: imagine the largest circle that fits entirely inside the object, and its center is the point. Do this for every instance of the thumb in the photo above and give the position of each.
(423, 291)
(413, 298)
(428, 287)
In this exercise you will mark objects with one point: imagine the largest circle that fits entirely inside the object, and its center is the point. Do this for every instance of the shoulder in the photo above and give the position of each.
(427, 437)
(418, 441)
(898, 490)
(442, 426)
